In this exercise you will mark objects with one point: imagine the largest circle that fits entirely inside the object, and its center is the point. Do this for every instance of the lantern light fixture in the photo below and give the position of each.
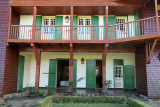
(82, 61)
(67, 19)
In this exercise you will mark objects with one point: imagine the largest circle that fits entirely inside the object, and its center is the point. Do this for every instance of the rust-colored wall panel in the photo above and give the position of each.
(4, 11)
(11, 70)
(141, 76)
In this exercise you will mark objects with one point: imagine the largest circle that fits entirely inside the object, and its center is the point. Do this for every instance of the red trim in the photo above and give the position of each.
(71, 63)
(74, 3)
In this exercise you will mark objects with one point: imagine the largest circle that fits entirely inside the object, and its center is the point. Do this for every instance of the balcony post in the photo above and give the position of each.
(106, 23)
(9, 21)
(71, 62)
(71, 26)
(157, 19)
(38, 60)
(34, 22)
(104, 55)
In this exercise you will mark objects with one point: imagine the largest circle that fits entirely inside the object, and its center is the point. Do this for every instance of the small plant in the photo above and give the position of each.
(107, 84)
(71, 84)
(2, 102)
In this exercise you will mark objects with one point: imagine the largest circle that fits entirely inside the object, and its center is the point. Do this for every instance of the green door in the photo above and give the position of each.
(59, 21)
(38, 29)
(52, 73)
(95, 30)
(111, 21)
(20, 73)
(75, 23)
(129, 77)
(74, 71)
(90, 74)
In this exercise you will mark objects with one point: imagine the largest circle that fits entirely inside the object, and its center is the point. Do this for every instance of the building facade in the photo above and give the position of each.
(51, 42)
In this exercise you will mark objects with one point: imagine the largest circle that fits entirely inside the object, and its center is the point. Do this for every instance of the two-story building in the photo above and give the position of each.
(49, 42)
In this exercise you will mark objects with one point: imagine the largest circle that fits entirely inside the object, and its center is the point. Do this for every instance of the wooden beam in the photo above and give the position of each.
(104, 55)
(79, 49)
(74, 3)
(147, 53)
(157, 18)
(38, 58)
(34, 23)
(152, 49)
(106, 23)
(9, 21)
(71, 26)
(71, 63)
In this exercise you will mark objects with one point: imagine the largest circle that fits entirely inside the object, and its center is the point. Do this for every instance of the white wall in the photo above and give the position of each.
(30, 65)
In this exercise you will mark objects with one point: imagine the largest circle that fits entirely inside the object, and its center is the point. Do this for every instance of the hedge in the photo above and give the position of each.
(135, 103)
(82, 99)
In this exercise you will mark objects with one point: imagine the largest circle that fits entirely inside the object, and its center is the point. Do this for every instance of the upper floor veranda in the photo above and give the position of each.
(80, 21)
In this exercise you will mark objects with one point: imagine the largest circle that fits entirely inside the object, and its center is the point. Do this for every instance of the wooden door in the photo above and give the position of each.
(129, 77)
(52, 73)
(20, 73)
(91, 74)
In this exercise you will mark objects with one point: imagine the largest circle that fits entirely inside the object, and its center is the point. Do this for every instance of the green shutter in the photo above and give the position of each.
(38, 29)
(20, 73)
(95, 30)
(75, 23)
(74, 71)
(111, 33)
(91, 74)
(52, 74)
(118, 62)
(59, 21)
(129, 77)
(136, 17)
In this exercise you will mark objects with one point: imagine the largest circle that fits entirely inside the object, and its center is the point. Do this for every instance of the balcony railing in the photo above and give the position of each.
(137, 28)
(132, 29)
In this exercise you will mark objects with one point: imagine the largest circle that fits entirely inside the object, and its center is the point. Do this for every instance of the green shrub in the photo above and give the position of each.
(135, 103)
(82, 99)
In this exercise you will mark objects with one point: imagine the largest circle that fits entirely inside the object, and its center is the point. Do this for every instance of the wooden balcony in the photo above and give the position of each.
(135, 30)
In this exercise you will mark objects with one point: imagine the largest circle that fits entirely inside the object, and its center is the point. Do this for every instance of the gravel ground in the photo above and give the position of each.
(23, 102)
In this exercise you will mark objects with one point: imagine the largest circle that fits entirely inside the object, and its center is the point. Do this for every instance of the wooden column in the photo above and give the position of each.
(9, 21)
(157, 19)
(34, 22)
(104, 55)
(38, 60)
(71, 63)
(71, 29)
(106, 23)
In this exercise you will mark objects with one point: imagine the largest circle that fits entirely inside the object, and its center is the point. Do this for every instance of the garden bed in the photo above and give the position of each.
(81, 99)
(90, 101)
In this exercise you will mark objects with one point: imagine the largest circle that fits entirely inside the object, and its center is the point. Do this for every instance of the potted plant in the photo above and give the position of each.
(71, 84)
(107, 85)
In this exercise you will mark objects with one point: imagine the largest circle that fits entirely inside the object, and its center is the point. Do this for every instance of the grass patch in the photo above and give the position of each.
(136, 103)
(87, 105)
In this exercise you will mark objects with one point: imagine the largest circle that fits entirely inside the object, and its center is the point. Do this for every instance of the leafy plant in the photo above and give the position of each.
(2, 102)
(107, 84)
(71, 84)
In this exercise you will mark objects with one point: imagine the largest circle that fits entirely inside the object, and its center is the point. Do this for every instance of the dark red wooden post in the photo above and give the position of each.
(71, 26)
(157, 19)
(106, 23)
(71, 62)
(38, 60)
(104, 55)
(34, 22)
(9, 21)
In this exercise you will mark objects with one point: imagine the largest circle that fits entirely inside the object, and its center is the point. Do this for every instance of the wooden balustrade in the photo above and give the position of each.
(136, 28)
(89, 33)
(131, 29)
(45, 32)
(20, 32)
